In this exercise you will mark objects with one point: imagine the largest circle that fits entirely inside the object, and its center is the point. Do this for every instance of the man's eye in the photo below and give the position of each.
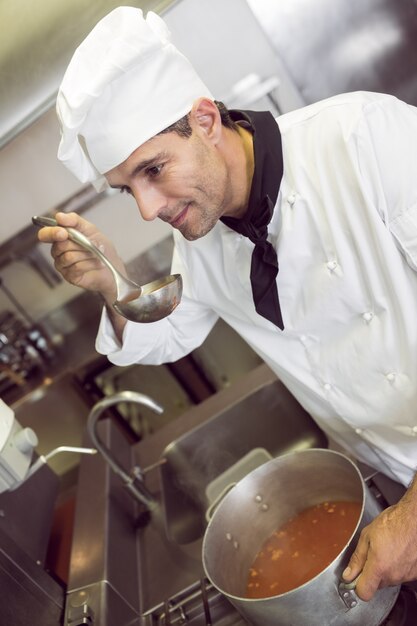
(154, 171)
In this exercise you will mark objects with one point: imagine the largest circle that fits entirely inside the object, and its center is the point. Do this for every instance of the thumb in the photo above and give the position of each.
(357, 561)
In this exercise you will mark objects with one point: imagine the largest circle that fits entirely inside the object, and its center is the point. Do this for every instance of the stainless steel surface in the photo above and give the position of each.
(28, 594)
(125, 568)
(200, 604)
(114, 551)
(43, 460)
(37, 496)
(57, 412)
(261, 503)
(164, 568)
(222, 367)
(35, 48)
(269, 418)
(104, 571)
(336, 46)
(146, 303)
(105, 379)
(157, 300)
(134, 480)
(167, 567)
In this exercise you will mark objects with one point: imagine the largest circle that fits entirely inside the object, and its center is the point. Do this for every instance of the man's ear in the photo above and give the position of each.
(205, 116)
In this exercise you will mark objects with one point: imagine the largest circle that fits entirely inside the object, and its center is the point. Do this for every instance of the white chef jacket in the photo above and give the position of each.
(345, 231)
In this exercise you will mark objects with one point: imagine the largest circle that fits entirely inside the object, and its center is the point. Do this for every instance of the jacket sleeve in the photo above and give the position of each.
(387, 153)
(164, 341)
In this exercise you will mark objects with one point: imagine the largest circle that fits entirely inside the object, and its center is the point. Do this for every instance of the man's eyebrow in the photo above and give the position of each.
(143, 165)
(152, 161)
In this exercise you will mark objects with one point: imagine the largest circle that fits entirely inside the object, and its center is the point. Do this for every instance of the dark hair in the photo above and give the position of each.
(183, 128)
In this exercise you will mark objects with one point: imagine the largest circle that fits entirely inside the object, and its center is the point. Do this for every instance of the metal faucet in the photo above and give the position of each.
(134, 484)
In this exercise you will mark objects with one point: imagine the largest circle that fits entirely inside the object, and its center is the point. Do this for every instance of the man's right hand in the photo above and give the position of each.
(82, 268)
(77, 265)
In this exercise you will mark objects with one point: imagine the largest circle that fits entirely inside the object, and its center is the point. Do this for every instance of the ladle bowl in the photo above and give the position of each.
(138, 303)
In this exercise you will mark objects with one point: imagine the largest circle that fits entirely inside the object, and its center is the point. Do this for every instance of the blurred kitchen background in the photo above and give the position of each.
(259, 54)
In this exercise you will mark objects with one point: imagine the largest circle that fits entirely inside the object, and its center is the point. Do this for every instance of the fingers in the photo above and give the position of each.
(363, 566)
(386, 553)
(66, 255)
(357, 560)
(68, 219)
(366, 564)
(52, 234)
(76, 267)
(73, 252)
(369, 581)
(71, 260)
(73, 220)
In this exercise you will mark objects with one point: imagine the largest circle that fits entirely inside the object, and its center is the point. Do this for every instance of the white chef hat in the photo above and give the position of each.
(125, 83)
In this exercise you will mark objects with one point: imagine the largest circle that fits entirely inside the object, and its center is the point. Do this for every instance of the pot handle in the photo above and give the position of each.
(213, 506)
(347, 593)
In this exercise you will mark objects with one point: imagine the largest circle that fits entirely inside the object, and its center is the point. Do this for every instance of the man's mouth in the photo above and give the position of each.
(180, 218)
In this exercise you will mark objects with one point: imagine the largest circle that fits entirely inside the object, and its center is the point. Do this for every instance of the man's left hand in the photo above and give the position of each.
(386, 553)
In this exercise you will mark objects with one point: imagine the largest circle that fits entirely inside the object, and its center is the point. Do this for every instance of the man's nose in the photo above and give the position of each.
(150, 202)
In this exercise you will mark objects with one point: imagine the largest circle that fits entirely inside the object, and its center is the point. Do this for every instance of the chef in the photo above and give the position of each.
(300, 232)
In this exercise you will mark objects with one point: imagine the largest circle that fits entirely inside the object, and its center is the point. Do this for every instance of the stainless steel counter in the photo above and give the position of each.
(122, 563)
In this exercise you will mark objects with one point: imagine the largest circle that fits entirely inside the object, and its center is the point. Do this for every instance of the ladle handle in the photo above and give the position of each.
(83, 241)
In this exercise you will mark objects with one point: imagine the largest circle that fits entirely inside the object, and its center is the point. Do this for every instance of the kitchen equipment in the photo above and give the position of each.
(25, 351)
(133, 481)
(16, 449)
(17, 445)
(221, 449)
(260, 503)
(30, 593)
(135, 573)
(146, 303)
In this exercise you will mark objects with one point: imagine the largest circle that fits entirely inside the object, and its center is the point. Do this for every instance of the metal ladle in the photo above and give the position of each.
(146, 303)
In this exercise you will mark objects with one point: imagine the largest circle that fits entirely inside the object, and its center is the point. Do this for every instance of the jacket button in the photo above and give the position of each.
(327, 386)
(291, 199)
(331, 265)
(368, 316)
(390, 377)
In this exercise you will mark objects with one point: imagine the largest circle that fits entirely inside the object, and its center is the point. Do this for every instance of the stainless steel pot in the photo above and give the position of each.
(260, 503)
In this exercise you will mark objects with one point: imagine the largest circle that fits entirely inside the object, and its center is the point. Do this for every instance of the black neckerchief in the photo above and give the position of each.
(263, 196)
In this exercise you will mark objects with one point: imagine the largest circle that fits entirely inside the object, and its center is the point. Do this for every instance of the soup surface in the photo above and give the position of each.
(302, 548)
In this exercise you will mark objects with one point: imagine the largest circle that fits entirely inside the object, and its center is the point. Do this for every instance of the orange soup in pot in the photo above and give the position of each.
(302, 548)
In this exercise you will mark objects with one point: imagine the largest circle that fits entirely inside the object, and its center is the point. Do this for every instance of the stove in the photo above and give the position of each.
(202, 605)
(133, 576)
(198, 605)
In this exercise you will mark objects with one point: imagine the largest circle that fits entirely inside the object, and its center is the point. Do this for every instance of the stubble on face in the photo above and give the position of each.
(210, 196)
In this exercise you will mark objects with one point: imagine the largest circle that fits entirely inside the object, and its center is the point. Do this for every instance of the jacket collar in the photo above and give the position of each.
(266, 181)
(269, 167)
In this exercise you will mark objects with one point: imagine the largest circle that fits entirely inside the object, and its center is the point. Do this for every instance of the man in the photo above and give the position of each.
(330, 191)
